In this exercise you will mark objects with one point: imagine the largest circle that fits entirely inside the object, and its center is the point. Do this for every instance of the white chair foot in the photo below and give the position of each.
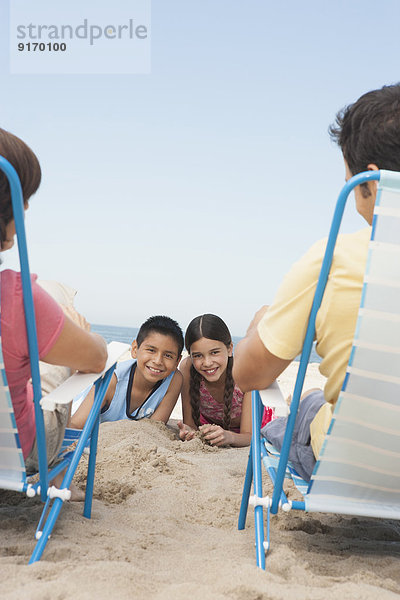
(257, 501)
(30, 491)
(54, 492)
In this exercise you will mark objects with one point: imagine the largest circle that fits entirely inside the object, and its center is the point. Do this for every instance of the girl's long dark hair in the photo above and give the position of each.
(213, 328)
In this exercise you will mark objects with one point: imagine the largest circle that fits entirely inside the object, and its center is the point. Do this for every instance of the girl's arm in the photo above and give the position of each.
(217, 436)
(166, 406)
(187, 427)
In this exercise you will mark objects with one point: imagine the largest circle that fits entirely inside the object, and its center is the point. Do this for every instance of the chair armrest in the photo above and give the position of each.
(75, 384)
(272, 397)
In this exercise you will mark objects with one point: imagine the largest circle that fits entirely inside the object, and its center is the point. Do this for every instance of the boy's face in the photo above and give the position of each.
(157, 356)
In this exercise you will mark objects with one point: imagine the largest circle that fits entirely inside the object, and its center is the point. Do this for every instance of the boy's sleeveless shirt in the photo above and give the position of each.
(117, 410)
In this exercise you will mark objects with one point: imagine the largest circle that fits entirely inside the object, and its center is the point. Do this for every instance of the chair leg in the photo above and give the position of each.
(257, 474)
(87, 510)
(268, 528)
(259, 524)
(246, 491)
(47, 529)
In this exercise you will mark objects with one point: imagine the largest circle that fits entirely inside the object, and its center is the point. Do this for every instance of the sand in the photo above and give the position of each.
(164, 525)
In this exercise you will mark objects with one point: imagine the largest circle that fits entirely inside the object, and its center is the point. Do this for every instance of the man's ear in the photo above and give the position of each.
(372, 186)
(134, 348)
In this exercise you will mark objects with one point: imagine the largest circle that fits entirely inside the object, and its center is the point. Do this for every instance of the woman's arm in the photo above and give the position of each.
(78, 349)
(166, 406)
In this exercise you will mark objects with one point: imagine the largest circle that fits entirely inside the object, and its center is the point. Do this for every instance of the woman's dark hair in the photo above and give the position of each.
(213, 328)
(27, 166)
(368, 131)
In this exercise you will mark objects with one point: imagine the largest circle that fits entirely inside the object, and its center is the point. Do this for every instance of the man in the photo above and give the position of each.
(368, 133)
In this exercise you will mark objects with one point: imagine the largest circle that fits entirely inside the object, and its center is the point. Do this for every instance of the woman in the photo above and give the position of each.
(60, 340)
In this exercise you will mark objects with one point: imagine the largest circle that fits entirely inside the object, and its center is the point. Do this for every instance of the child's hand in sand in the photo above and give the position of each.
(186, 433)
(215, 435)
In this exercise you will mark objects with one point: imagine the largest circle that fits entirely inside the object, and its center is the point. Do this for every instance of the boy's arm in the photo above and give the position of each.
(78, 419)
(166, 406)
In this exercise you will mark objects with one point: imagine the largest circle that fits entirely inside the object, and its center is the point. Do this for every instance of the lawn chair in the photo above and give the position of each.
(12, 468)
(358, 471)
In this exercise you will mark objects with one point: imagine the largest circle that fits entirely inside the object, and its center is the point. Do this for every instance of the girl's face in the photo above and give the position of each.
(210, 358)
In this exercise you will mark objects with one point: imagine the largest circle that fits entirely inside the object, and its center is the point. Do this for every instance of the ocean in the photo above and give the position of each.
(128, 334)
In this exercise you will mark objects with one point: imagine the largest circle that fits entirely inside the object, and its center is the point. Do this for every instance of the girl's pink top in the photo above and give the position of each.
(49, 323)
(212, 411)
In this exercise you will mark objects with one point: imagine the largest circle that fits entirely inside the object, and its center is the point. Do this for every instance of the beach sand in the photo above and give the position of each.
(164, 525)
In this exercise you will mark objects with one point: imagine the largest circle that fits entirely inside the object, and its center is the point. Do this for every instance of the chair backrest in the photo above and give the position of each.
(18, 213)
(12, 466)
(358, 471)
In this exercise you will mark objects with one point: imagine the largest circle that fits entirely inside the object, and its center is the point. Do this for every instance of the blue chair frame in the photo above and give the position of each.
(253, 471)
(90, 431)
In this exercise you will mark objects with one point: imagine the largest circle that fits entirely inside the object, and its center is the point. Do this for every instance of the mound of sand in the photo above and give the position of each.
(164, 526)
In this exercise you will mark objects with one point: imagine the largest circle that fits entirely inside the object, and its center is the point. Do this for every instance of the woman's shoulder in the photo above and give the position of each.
(12, 296)
(12, 293)
(9, 276)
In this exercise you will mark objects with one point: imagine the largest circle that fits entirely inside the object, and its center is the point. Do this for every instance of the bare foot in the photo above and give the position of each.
(77, 495)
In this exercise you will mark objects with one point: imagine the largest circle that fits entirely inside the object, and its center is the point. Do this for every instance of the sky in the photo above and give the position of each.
(194, 187)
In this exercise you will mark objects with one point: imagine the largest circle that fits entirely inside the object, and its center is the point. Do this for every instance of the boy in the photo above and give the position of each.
(149, 384)
(368, 133)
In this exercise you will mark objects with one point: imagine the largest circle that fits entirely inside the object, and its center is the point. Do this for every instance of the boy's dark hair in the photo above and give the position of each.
(211, 327)
(368, 131)
(163, 325)
(27, 166)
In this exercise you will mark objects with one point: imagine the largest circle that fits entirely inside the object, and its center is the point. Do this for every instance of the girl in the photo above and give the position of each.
(211, 401)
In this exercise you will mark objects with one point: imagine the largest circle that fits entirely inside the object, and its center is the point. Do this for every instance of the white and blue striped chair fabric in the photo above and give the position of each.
(12, 466)
(358, 471)
(271, 460)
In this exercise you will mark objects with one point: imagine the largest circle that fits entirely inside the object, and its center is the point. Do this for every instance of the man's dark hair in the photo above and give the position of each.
(163, 325)
(368, 131)
(27, 166)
